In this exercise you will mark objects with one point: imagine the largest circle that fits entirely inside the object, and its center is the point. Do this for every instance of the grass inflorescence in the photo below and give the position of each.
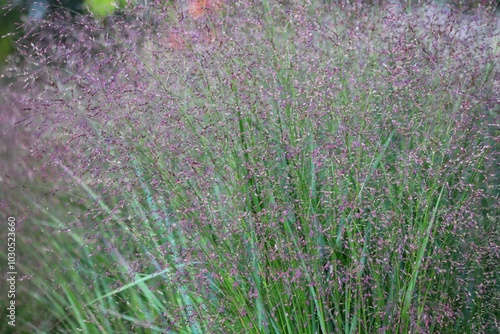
(266, 167)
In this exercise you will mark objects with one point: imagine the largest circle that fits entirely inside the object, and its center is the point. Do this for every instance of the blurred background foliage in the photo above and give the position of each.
(14, 12)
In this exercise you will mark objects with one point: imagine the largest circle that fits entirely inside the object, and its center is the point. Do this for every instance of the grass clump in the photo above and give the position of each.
(270, 167)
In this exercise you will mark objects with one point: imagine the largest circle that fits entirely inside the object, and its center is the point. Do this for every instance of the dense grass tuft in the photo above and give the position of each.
(266, 167)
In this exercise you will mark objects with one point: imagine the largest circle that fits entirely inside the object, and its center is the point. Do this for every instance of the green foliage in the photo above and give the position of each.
(312, 170)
